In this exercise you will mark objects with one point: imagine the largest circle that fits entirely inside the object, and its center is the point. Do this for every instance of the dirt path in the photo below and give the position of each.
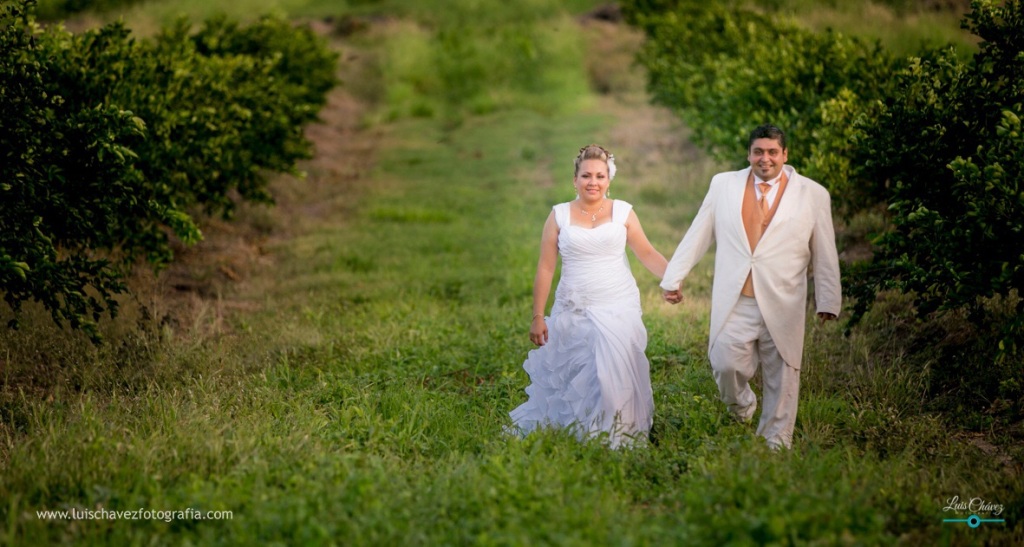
(221, 273)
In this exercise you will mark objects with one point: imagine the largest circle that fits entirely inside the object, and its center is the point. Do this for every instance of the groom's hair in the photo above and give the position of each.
(767, 131)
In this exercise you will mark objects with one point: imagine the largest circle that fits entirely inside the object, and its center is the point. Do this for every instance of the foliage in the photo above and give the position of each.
(128, 137)
(949, 144)
(724, 71)
(223, 105)
(70, 186)
(297, 56)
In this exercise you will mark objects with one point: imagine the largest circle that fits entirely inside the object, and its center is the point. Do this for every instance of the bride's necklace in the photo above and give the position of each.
(593, 216)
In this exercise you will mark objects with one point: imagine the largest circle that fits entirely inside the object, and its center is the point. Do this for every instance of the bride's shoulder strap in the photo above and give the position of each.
(561, 214)
(620, 211)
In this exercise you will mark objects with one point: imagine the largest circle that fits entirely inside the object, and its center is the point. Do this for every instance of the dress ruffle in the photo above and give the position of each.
(565, 390)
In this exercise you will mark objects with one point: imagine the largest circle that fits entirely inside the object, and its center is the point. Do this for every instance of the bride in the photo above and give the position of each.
(589, 372)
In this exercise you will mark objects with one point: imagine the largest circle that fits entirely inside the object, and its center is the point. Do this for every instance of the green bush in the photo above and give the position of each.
(948, 142)
(223, 106)
(300, 62)
(724, 71)
(950, 147)
(72, 195)
(114, 142)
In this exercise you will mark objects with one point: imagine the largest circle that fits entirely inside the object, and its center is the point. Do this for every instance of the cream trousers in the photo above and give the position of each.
(741, 347)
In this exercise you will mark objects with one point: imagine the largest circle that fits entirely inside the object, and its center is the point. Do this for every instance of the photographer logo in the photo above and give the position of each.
(979, 511)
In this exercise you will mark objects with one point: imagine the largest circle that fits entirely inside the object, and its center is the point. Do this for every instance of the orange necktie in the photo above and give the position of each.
(764, 198)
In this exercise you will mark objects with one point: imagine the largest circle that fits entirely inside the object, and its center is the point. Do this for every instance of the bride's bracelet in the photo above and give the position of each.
(536, 315)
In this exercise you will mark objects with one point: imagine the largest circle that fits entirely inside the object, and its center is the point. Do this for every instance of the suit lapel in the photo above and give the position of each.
(734, 195)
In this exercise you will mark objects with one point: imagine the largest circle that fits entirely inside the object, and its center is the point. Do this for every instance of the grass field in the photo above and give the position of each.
(347, 380)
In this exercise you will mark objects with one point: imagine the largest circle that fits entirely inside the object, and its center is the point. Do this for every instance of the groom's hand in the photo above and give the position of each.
(672, 297)
(825, 316)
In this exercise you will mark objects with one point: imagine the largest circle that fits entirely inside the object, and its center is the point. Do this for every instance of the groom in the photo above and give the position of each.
(770, 225)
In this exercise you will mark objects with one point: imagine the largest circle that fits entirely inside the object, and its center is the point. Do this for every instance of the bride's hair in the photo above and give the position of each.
(595, 152)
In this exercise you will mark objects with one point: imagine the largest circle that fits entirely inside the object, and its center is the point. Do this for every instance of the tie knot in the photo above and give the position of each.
(765, 187)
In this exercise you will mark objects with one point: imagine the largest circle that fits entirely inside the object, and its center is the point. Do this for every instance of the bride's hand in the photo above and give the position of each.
(539, 331)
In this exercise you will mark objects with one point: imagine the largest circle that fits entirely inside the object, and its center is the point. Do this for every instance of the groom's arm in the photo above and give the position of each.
(695, 243)
(825, 260)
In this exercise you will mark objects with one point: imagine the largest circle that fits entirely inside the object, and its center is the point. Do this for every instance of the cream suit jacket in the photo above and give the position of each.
(801, 235)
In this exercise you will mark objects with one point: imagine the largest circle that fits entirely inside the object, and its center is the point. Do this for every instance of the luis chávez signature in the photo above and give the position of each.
(973, 506)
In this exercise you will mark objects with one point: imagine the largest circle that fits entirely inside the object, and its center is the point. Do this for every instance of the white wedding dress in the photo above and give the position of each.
(592, 375)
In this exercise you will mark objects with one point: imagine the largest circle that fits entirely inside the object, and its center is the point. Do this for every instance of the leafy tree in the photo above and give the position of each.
(949, 143)
(70, 190)
(724, 71)
(112, 143)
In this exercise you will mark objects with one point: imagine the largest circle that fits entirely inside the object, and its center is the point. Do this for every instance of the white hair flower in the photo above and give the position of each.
(611, 167)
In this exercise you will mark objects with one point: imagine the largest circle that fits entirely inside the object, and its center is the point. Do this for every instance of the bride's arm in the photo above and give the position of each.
(642, 248)
(542, 281)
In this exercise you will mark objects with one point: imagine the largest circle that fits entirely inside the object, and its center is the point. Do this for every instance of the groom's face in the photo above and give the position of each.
(766, 158)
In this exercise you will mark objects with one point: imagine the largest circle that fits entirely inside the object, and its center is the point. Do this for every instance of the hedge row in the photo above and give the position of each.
(111, 143)
(724, 70)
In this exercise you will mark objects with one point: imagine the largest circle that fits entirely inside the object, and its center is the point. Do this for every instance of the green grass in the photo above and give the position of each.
(358, 397)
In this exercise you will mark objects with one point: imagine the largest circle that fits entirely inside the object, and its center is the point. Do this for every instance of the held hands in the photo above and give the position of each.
(539, 330)
(825, 316)
(672, 297)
